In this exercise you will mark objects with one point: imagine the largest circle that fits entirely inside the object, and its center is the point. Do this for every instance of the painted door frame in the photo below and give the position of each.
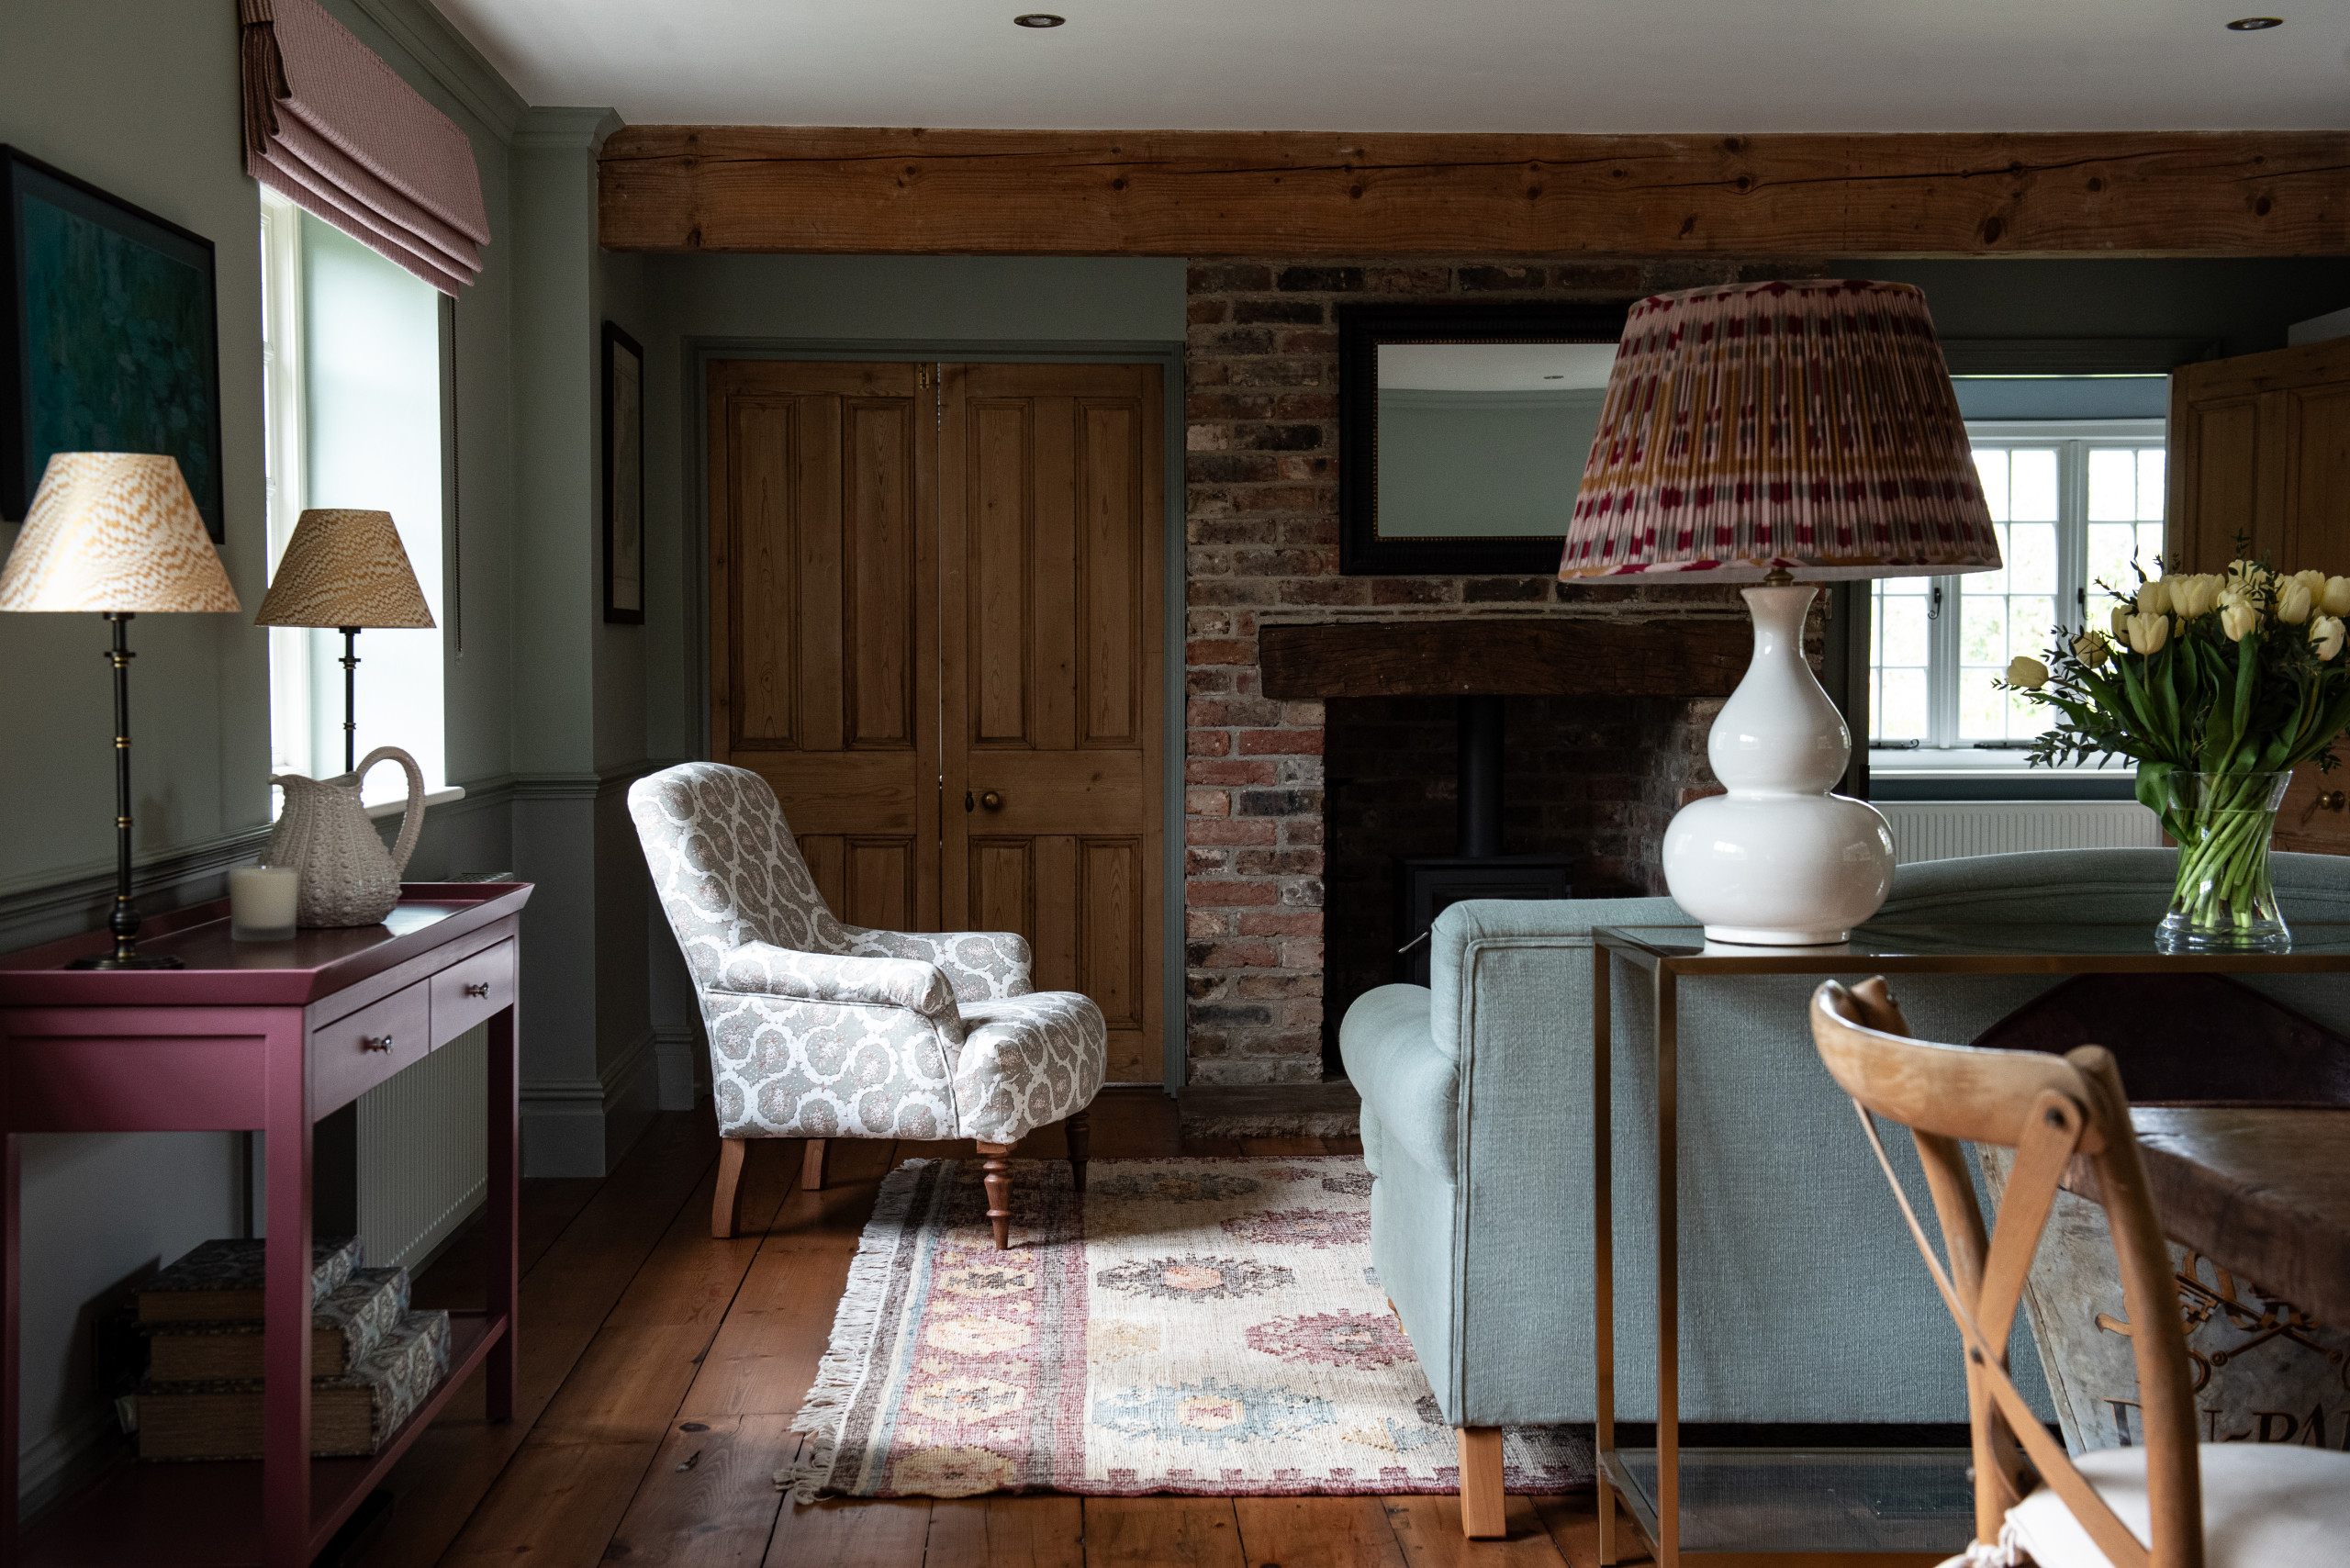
(698, 352)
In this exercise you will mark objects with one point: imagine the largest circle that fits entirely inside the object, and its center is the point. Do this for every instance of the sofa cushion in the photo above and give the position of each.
(1394, 1063)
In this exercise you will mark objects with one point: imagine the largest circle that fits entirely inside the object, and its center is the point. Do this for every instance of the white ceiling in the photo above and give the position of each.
(1457, 65)
(1495, 367)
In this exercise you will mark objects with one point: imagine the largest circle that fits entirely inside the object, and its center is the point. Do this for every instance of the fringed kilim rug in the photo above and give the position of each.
(1204, 1326)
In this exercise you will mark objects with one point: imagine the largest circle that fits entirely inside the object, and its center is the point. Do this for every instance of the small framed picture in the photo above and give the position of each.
(109, 335)
(623, 479)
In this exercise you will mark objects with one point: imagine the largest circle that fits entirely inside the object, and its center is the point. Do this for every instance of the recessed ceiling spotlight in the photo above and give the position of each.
(1047, 19)
(2254, 24)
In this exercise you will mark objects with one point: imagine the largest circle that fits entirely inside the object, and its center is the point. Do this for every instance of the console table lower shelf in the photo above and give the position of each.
(205, 1514)
(1743, 1508)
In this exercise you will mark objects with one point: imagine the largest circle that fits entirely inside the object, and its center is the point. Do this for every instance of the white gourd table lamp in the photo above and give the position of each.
(115, 532)
(345, 567)
(1781, 434)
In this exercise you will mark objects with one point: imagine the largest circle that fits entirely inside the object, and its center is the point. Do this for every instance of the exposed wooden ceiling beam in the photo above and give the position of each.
(1308, 193)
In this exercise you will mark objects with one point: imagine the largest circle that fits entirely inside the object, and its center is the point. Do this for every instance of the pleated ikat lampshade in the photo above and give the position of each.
(1809, 427)
(1780, 435)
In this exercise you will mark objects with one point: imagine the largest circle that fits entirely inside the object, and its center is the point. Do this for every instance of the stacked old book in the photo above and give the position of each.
(373, 1362)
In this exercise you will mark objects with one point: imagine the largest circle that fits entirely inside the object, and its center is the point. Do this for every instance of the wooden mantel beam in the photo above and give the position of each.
(1161, 192)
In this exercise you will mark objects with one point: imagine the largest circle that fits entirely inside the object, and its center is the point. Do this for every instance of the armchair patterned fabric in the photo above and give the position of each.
(823, 1030)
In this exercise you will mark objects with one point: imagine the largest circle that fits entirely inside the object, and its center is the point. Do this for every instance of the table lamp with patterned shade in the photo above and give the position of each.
(1780, 435)
(115, 532)
(345, 568)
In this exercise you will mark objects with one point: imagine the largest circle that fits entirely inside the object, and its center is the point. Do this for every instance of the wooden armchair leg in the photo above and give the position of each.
(1080, 1129)
(726, 1207)
(812, 1166)
(1484, 1515)
(999, 1179)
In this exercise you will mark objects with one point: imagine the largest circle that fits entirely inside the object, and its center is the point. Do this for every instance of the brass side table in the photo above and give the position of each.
(1660, 1485)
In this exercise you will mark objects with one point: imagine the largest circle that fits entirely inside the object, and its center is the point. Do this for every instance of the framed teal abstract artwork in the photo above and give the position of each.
(108, 335)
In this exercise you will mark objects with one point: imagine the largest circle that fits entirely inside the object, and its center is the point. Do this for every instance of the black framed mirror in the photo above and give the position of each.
(1462, 430)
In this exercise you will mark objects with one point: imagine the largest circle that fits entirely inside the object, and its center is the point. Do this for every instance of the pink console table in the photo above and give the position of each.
(268, 1038)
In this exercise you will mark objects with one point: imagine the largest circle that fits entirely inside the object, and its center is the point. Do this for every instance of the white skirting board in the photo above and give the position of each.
(1950, 830)
(423, 1166)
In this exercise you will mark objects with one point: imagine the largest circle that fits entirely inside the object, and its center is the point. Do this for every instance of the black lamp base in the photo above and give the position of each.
(132, 961)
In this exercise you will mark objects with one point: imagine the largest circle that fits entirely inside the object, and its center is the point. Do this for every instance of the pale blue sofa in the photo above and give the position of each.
(1802, 1297)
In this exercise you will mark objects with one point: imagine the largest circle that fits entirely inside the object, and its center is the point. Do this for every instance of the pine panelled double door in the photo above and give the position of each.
(935, 629)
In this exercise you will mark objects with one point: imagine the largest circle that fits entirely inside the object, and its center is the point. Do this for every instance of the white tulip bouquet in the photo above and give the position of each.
(2217, 685)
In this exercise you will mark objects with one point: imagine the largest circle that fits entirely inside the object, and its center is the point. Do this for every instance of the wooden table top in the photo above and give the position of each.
(2264, 1191)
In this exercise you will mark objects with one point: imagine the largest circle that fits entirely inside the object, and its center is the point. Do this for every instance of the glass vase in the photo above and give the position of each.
(2222, 901)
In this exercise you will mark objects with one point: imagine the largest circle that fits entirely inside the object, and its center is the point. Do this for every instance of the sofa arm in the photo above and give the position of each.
(1409, 1086)
(982, 966)
(760, 969)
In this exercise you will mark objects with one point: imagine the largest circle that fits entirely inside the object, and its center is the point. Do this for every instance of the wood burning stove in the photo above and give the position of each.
(1426, 886)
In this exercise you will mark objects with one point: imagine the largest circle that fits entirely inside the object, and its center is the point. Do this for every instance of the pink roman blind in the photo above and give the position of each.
(336, 131)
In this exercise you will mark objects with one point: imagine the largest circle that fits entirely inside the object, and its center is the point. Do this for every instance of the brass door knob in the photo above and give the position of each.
(2325, 800)
(993, 801)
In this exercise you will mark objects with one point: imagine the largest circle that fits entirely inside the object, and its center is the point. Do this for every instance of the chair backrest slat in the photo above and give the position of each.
(2048, 1109)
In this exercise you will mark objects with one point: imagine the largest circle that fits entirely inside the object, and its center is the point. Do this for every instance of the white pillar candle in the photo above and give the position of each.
(262, 902)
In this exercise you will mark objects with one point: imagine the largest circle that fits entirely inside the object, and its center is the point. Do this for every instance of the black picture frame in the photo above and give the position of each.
(89, 282)
(623, 479)
(1362, 330)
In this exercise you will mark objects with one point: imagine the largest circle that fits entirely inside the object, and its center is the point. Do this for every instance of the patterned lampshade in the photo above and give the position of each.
(115, 532)
(1805, 426)
(344, 568)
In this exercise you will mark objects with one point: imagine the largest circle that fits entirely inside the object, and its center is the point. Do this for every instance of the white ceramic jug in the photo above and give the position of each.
(324, 834)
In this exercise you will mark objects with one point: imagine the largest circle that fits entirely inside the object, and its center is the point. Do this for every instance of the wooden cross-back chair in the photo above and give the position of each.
(2169, 1504)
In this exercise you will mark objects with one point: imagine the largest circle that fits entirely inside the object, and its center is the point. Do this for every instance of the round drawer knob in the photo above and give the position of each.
(375, 1041)
(481, 990)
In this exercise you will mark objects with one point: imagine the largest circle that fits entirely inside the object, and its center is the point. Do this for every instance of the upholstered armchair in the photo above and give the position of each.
(819, 1030)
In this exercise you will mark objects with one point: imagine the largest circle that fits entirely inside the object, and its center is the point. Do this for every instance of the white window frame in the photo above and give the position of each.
(1941, 748)
(286, 485)
(297, 652)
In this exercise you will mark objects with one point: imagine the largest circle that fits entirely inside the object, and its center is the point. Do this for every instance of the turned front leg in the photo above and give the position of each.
(1080, 1129)
(998, 1181)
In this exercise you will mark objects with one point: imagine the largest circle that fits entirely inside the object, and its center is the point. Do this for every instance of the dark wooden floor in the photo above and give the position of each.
(661, 1369)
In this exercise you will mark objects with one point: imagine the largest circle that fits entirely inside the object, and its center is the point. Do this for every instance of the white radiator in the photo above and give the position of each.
(1948, 830)
(422, 1164)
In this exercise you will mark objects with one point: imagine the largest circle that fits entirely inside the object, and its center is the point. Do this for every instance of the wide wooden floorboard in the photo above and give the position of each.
(1427, 1526)
(709, 1499)
(1317, 1532)
(1160, 1532)
(565, 1296)
(765, 1355)
(662, 1371)
(1035, 1531)
(1573, 1523)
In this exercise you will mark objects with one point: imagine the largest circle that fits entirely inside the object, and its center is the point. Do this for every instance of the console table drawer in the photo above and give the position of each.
(466, 993)
(361, 1049)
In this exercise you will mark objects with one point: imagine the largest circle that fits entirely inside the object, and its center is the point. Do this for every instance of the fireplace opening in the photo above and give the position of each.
(1433, 800)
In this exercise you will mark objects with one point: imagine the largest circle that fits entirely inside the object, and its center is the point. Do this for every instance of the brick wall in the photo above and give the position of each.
(1261, 475)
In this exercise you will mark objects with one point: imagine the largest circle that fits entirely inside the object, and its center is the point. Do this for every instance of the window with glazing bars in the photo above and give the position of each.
(2072, 509)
